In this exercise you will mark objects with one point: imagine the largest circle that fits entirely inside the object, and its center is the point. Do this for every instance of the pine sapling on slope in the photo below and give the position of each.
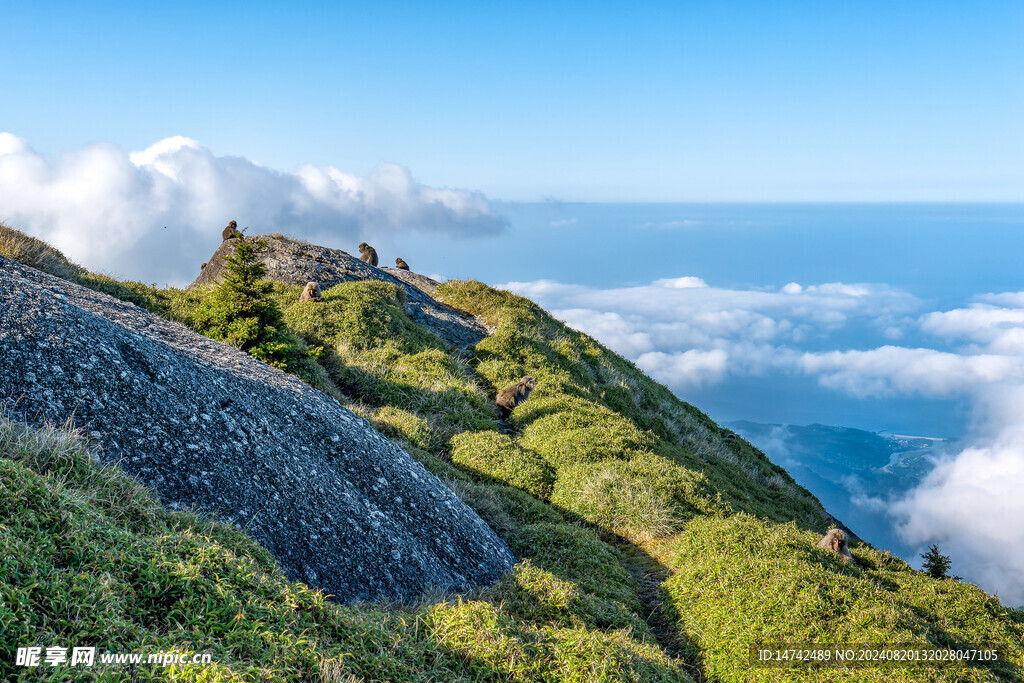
(935, 563)
(242, 312)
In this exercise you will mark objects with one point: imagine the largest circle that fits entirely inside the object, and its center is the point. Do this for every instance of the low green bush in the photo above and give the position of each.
(360, 315)
(576, 554)
(497, 456)
(396, 423)
(646, 497)
(579, 431)
(491, 642)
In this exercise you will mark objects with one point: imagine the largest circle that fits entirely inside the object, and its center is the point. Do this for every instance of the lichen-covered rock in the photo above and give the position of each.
(209, 427)
(296, 263)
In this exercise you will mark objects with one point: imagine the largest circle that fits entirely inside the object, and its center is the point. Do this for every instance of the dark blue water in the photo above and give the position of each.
(944, 253)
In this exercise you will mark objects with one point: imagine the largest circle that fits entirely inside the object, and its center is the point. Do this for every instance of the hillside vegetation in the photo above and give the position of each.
(653, 546)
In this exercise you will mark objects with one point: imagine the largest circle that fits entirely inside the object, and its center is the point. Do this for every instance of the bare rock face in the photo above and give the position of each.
(296, 263)
(205, 425)
(413, 279)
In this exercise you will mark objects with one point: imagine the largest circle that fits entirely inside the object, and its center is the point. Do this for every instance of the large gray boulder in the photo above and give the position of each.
(209, 427)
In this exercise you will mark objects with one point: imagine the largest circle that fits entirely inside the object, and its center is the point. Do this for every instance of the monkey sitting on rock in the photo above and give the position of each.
(511, 396)
(835, 540)
(311, 293)
(231, 231)
(400, 263)
(368, 254)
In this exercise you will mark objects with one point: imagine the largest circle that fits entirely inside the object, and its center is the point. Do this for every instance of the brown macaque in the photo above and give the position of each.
(311, 293)
(231, 231)
(835, 540)
(368, 254)
(511, 396)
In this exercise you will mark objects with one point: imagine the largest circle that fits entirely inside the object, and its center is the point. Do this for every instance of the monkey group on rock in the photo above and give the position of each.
(512, 395)
(368, 254)
(835, 540)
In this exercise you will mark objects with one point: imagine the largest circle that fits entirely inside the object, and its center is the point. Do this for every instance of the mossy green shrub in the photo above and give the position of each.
(740, 581)
(491, 641)
(497, 456)
(360, 315)
(582, 432)
(505, 509)
(576, 554)
(642, 498)
(532, 594)
(395, 423)
(376, 354)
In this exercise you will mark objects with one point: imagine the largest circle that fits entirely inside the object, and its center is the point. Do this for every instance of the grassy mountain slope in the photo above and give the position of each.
(652, 546)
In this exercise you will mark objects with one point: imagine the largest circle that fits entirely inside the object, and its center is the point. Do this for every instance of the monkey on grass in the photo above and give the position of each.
(511, 396)
(835, 540)
(311, 293)
(400, 263)
(368, 254)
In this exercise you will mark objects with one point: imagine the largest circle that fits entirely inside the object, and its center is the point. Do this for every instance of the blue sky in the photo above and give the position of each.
(734, 101)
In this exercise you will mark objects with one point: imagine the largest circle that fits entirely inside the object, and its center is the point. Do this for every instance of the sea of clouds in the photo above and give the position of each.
(155, 214)
(686, 333)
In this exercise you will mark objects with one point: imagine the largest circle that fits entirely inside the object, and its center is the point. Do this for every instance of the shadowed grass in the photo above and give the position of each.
(91, 559)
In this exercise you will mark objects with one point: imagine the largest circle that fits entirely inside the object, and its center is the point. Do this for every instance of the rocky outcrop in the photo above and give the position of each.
(296, 263)
(209, 427)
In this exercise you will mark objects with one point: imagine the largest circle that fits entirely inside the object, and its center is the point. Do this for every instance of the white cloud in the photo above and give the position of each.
(983, 323)
(108, 209)
(613, 331)
(971, 504)
(895, 370)
(688, 369)
(681, 283)
(673, 225)
(754, 329)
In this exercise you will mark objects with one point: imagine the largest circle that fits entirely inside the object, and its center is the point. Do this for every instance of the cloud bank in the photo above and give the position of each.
(160, 210)
(687, 334)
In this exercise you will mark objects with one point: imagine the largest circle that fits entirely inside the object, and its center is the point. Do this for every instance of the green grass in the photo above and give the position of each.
(497, 456)
(740, 580)
(621, 501)
(91, 559)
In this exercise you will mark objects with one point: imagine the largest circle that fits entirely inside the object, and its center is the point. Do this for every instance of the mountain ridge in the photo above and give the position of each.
(652, 544)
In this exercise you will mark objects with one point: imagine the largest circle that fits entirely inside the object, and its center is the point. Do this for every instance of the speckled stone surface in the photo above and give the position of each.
(209, 427)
